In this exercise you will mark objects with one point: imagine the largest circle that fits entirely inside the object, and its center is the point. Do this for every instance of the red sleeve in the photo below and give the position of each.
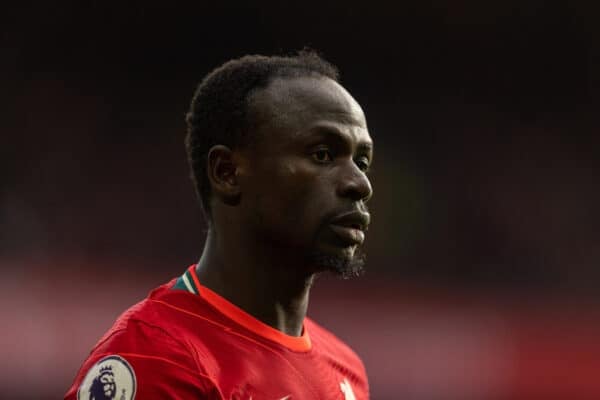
(144, 362)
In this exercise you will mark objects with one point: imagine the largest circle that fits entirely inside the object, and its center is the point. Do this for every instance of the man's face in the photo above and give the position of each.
(305, 185)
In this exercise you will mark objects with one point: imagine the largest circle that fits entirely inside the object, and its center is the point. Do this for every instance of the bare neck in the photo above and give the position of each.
(263, 282)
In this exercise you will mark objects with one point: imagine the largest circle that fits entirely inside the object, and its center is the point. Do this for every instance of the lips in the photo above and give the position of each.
(347, 234)
(351, 227)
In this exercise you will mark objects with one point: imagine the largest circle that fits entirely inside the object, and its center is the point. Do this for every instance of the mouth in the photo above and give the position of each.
(350, 227)
(351, 235)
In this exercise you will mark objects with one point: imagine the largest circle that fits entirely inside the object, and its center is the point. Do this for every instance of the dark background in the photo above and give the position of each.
(485, 243)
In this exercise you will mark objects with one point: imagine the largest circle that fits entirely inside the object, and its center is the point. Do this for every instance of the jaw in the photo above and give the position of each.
(344, 262)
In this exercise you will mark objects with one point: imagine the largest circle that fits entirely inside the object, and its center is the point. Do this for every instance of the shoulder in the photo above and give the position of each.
(142, 327)
(162, 324)
(143, 354)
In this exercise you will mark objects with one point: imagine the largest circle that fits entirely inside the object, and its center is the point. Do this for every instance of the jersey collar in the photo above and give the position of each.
(189, 281)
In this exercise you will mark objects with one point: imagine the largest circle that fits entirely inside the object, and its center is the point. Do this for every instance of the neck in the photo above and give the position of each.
(253, 279)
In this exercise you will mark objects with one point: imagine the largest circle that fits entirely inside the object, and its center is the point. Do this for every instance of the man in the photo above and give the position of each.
(279, 153)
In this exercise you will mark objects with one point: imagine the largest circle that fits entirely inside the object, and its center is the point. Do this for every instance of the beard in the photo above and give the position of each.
(344, 267)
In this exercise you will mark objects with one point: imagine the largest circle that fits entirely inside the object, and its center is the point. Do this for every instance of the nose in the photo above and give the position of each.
(355, 184)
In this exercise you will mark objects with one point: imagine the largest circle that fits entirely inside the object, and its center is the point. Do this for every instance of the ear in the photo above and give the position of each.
(222, 170)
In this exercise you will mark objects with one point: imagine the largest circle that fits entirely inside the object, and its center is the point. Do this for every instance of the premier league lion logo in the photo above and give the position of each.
(111, 378)
(104, 387)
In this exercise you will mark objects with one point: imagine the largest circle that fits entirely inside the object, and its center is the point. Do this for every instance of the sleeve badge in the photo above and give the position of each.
(110, 378)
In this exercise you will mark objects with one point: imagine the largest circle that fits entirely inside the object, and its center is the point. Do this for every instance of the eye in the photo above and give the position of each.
(322, 156)
(363, 163)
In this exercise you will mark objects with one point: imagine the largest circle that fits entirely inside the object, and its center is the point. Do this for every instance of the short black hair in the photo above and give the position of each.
(219, 110)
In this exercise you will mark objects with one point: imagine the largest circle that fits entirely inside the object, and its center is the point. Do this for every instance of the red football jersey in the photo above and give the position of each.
(186, 342)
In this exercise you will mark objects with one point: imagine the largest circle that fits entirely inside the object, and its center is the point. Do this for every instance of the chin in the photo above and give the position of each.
(347, 263)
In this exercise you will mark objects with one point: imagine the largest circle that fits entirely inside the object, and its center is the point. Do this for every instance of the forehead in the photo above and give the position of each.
(293, 104)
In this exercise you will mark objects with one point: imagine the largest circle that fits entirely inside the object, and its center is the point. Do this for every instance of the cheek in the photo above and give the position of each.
(306, 201)
(295, 197)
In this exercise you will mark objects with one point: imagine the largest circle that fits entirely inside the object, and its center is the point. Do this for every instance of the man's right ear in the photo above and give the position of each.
(222, 174)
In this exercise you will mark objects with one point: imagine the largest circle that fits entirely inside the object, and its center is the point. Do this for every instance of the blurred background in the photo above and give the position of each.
(483, 255)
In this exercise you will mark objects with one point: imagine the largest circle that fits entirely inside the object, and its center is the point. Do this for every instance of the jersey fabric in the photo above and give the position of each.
(186, 342)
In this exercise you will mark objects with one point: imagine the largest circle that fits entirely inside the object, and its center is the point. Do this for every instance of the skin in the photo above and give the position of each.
(273, 200)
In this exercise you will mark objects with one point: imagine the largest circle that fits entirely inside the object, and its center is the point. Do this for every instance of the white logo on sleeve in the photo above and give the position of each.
(110, 378)
(347, 390)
